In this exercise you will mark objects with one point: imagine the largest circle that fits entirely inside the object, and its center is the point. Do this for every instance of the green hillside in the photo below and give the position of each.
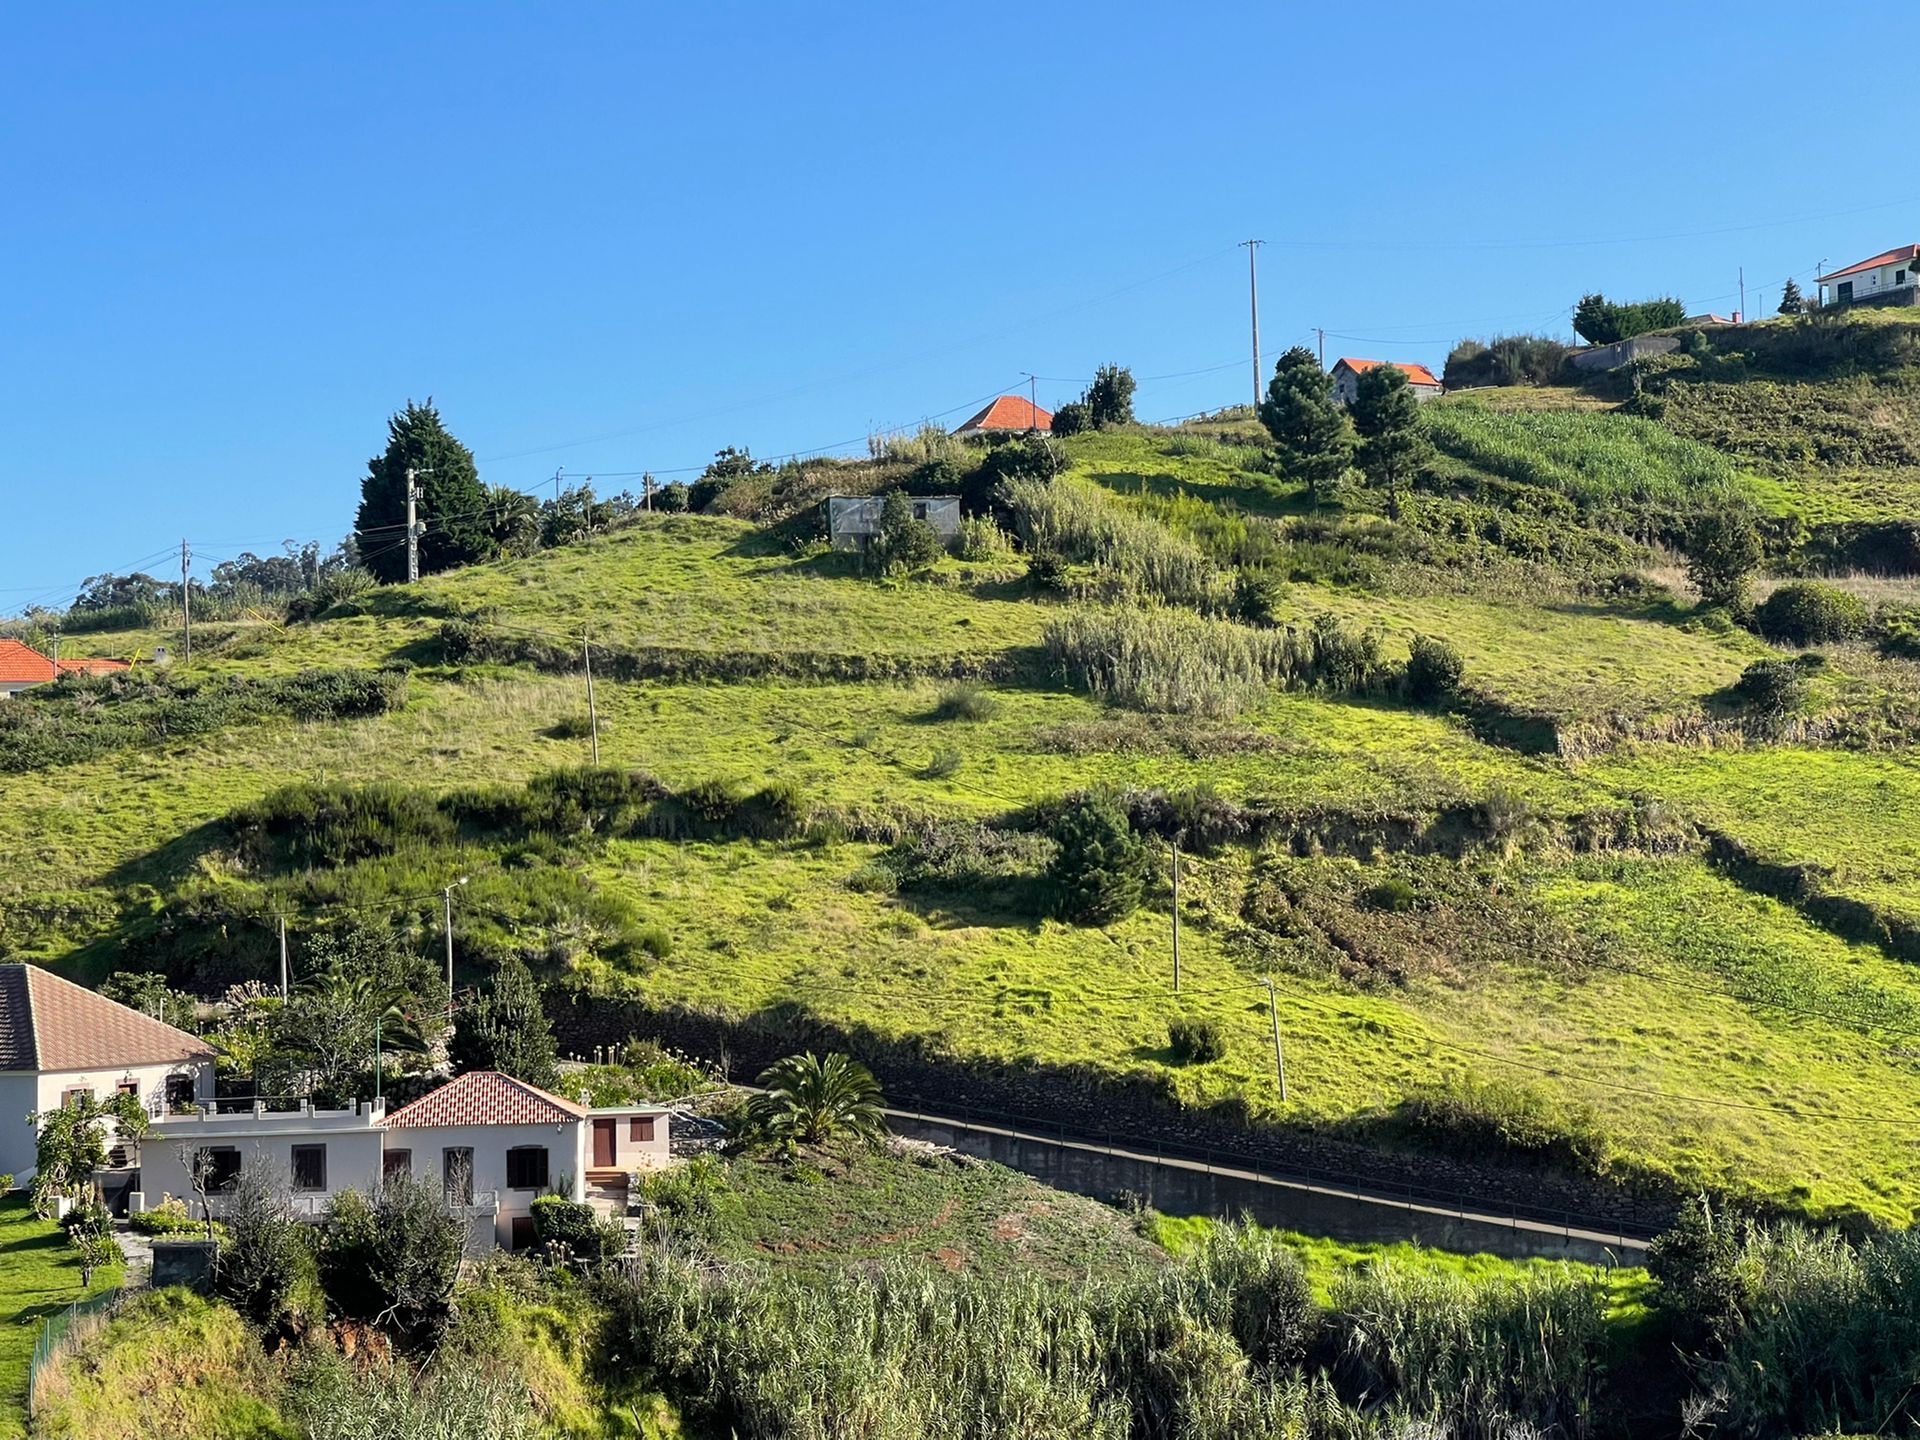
(1588, 919)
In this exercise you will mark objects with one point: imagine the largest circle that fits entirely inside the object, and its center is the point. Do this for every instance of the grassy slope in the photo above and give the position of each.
(39, 1275)
(755, 923)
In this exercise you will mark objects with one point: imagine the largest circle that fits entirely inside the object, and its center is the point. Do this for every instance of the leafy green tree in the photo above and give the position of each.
(904, 545)
(507, 1030)
(807, 1100)
(1393, 447)
(727, 469)
(513, 521)
(110, 592)
(391, 1258)
(147, 991)
(1100, 872)
(453, 503)
(71, 1144)
(1109, 399)
(361, 997)
(1792, 302)
(266, 1266)
(1600, 321)
(1723, 551)
(1071, 418)
(1310, 431)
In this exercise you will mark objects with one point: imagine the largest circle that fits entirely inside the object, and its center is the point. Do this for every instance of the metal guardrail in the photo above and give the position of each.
(56, 1330)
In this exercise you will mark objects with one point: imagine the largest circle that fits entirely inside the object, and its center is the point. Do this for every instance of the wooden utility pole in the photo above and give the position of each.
(593, 715)
(1253, 297)
(1279, 1055)
(1176, 917)
(186, 605)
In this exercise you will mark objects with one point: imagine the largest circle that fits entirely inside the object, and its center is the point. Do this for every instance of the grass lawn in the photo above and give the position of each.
(39, 1276)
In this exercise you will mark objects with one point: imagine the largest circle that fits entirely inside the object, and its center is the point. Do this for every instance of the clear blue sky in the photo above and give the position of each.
(614, 237)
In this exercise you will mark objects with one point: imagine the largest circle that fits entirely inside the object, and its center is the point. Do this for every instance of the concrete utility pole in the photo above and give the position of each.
(1323, 347)
(1253, 296)
(646, 492)
(448, 927)
(1279, 1055)
(1176, 917)
(1743, 294)
(283, 959)
(186, 605)
(558, 471)
(413, 528)
(593, 715)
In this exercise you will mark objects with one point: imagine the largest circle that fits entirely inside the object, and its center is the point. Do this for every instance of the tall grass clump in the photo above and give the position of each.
(1143, 557)
(1171, 662)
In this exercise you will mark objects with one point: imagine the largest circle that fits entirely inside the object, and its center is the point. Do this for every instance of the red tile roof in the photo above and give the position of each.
(486, 1097)
(1010, 412)
(92, 665)
(1909, 254)
(47, 1023)
(1418, 374)
(22, 664)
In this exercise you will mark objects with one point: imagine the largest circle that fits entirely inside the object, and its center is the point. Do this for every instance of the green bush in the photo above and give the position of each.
(1101, 872)
(965, 701)
(1773, 689)
(1807, 613)
(1433, 670)
(570, 1230)
(169, 1217)
(1136, 555)
(392, 1258)
(981, 539)
(1196, 1042)
(266, 1264)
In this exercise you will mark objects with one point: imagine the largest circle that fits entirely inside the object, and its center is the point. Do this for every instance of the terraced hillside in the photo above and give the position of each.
(1581, 930)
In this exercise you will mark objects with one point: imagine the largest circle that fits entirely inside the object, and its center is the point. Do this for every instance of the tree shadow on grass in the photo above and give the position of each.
(171, 861)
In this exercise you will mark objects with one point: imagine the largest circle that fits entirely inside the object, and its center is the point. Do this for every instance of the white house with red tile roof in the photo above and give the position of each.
(22, 667)
(58, 1039)
(1889, 278)
(491, 1144)
(1346, 375)
(1008, 413)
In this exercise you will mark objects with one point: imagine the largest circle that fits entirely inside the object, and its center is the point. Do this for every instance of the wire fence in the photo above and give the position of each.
(56, 1334)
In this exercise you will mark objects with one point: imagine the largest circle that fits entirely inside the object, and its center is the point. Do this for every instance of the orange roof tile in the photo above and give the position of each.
(1010, 412)
(486, 1097)
(92, 665)
(1418, 374)
(47, 1023)
(1907, 253)
(22, 664)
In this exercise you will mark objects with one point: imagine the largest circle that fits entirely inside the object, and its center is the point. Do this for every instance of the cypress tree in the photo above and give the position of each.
(1792, 302)
(453, 503)
(1310, 431)
(1393, 448)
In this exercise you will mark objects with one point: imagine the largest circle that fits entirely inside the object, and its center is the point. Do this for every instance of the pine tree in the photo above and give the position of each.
(1310, 431)
(1792, 302)
(1393, 447)
(506, 1029)
(453, 505)
(1101, 870)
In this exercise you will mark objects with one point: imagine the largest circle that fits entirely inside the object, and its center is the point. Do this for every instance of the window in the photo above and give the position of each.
(71, 1098)
(1845, 292)
(456, 1173)
(128, 1087)
(640, 1128)
(1899, 277)
(180, 1090)
(395, 1163)
(222, 1166)
(309, 1167)
(527, 1167)
(919, 511)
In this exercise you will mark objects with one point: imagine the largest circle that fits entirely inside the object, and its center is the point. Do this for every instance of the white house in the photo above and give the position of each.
(491, 1144)
(59, 1039)
(1892, 278)
(1346, 373)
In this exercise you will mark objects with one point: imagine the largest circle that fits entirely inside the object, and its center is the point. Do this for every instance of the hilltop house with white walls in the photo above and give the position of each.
(1889, 278)
(1346, 375)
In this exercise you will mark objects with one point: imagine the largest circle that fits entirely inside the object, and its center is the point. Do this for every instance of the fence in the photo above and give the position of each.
(55, 1333)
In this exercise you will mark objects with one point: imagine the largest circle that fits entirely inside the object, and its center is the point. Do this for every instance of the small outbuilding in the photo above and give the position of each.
(1008, 414)
(853, 520)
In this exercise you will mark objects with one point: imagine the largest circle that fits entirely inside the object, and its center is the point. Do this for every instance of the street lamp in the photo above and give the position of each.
(447, 894)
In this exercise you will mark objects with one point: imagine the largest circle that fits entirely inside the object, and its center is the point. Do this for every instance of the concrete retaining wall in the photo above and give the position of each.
(1624, 352)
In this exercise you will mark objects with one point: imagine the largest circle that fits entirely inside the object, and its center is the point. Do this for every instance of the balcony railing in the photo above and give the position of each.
(482, 1204)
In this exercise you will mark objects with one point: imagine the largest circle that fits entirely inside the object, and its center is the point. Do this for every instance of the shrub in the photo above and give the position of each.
(685, 1196)
(965, 701)
(1143, 557)
(1806, 613)
(1395, 895)
(873, 878)
(981, 539)
(810, 1100)
(570, 1230)
(1772, 688)
(392, 1258)
(904, 545)
(1723, 549)
(169, 1217)
(266, 1265)
(1196, 1042)
(1505, 360)
(944, 763)
(1101, 871)
(1072, 418)
(1433, 670)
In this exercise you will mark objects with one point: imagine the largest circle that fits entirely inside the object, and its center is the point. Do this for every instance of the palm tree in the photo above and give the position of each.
(809, 1101)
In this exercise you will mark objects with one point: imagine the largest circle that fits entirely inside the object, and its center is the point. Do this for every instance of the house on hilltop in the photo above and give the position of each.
(1890, 278)
(1346, 375)
(1009, 414)
(22, 667)
(59, 1040)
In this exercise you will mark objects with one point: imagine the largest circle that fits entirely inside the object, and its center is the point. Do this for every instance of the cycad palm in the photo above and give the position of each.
(809, 1101)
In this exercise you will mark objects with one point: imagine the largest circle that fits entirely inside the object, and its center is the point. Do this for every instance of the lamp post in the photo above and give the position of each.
(447, 895)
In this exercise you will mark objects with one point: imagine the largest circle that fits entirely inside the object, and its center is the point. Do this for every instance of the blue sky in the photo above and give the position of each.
(615, 237)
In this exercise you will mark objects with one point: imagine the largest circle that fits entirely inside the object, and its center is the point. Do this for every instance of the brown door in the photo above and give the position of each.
(603, 1144)
(522, 1235)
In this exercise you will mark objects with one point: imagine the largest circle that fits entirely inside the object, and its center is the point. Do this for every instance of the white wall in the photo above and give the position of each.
(22, 1092)
(18, 1099)
(1872, 282)
(352, 1155)
(566, 1160)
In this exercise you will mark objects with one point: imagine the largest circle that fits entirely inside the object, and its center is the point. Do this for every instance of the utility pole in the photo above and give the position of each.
(593, 715)
(283, 959)
(186, 604)
(558, 471)
(1743, 294)
(1279, 1055)
(448, 895)
(646, 492)
(1323, 347)
(1176, 917)
(413, 528)
(1253, 296)
(1033, 399)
